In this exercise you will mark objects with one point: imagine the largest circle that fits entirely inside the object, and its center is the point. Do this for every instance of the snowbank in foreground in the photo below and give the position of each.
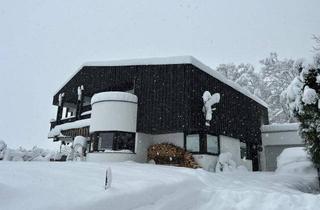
(80, 185)
(295, 160)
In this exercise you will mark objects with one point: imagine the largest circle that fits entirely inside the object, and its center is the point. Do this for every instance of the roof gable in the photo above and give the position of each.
(174, 60)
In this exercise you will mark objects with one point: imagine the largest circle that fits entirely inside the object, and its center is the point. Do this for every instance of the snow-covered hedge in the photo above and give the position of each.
(21, 154)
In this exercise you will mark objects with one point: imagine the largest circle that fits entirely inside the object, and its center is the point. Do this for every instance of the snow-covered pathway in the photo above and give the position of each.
(75, 185)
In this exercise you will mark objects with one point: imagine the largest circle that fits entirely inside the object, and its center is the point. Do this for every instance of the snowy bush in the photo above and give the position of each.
(295, 161)
(226, 164)
(79, 147)
(208, 101)
(3, 147)
(21, 154)
(302, 97)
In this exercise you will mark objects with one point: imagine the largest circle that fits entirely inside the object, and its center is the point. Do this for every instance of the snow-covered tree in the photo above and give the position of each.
(243, 74)
(316, 38)
(276, 76)
(303, 98)
(3, 148)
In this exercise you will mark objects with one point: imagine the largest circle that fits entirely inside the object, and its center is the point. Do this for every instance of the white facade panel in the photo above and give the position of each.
(173, 138)
(232, 145)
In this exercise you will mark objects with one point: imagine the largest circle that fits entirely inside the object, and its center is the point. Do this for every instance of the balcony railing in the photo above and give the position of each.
(68, 120)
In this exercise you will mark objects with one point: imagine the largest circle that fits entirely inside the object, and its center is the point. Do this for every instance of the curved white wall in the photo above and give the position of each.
(114, 111)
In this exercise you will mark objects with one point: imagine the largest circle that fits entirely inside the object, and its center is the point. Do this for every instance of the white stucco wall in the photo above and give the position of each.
(143, 141)
(232, 145)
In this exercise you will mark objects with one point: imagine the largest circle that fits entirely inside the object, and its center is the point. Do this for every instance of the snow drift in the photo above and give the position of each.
(80, 185)
(295, 160)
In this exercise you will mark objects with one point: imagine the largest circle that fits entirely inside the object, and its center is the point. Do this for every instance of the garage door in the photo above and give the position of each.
(272, 152)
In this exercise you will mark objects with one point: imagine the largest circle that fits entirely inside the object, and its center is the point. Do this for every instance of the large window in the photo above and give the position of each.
(212, 144)
(193, 143)
(202, 144)
(116, 140)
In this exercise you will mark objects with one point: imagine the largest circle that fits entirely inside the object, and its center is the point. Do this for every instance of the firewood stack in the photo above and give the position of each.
(170, 154)
(189, 161)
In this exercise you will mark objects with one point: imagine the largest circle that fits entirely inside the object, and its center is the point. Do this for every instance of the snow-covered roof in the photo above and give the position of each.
(176, 60)
(114, 95)
(280, 127)
(56, 131)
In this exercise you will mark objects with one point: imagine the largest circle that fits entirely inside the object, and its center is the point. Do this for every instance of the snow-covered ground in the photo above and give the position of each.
(80, 185)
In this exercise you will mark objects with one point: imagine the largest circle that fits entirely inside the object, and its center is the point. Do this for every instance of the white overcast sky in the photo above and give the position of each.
(43, 42)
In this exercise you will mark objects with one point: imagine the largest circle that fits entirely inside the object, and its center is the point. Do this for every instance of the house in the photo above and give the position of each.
(276, 138)
(125, 106)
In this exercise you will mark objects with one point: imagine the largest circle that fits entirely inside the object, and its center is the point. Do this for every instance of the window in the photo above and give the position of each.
(193, 143)
(243, 150)
(212, 144)
(124, 141)
(116, 140)
(202, 144)
(105, 141)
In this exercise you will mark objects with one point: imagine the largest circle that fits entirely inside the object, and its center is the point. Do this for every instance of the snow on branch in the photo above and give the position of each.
(209, 100)
(80, 90)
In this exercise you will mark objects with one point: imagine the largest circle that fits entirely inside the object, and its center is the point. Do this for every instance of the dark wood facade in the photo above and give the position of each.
(170, 99)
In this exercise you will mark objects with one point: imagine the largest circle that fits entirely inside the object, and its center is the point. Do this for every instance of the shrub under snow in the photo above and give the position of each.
(21, 154)
(226, 164)
(295, 161)
(3, 147)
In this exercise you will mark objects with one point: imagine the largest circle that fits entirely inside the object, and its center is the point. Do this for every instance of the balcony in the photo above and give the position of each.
(71, 126)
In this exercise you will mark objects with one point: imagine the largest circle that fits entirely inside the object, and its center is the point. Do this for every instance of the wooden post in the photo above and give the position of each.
(107, 183)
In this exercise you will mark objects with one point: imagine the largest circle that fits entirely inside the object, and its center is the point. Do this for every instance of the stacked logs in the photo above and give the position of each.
(170, 154)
